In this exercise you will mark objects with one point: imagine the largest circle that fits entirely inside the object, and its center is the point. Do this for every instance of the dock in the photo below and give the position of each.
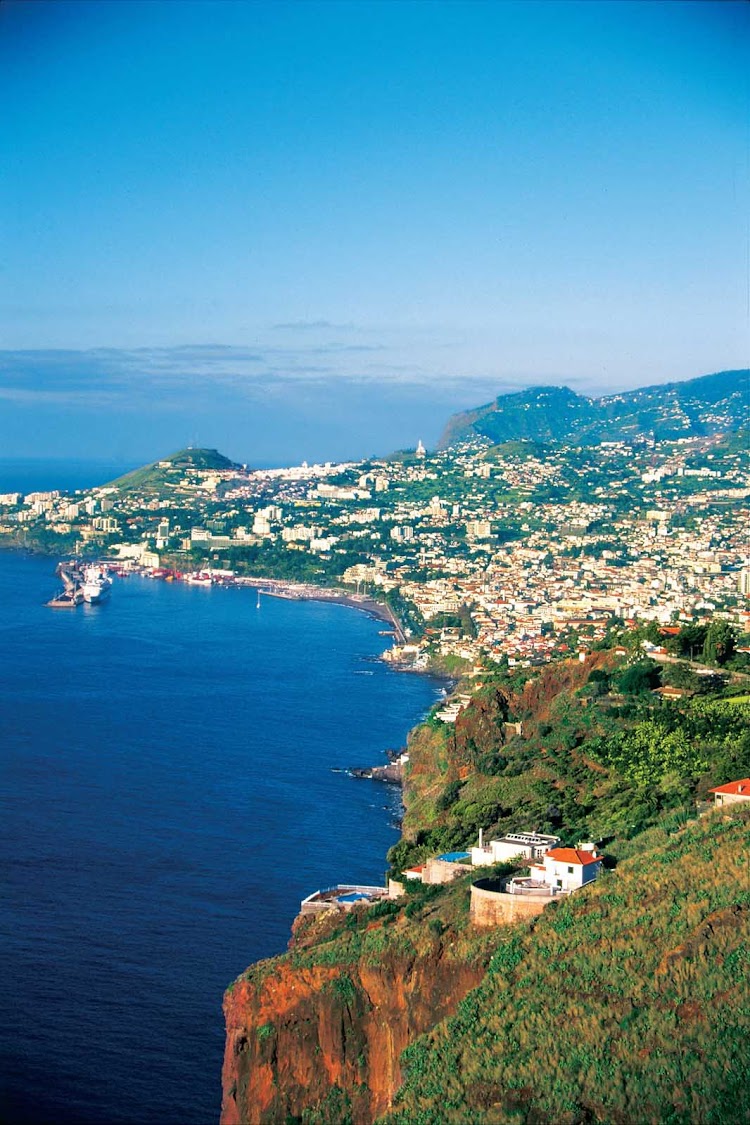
(66, 599)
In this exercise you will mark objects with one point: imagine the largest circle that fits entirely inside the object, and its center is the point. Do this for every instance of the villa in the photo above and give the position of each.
(523, 845)
(566, 869)
(731, 793)
(499, 902)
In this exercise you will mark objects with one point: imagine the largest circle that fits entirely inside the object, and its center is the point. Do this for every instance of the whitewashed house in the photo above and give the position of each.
(524, 845)
(567, 869)
(731, 793)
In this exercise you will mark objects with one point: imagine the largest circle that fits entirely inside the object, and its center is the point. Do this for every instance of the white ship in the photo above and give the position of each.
(198, 578)
(95, 584)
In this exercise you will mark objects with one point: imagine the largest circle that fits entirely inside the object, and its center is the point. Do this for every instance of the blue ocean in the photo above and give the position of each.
(169, 795)
(43, 474)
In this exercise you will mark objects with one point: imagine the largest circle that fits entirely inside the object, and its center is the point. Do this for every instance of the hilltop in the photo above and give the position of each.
(707, 405)
(169, 470)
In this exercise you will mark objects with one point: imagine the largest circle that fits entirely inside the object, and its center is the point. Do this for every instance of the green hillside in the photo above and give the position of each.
(170, 470)
(709, 404)
(599, 756)
(627, 1003)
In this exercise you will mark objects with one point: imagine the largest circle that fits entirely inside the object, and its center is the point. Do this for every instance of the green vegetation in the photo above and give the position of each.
(628, 1002)
(160, 475)
(558, 414)
(625, 1003)
(336, 1107)
(599, 756)
(520, 448)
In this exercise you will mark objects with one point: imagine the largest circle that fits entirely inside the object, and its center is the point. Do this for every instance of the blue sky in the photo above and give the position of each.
(312, 230)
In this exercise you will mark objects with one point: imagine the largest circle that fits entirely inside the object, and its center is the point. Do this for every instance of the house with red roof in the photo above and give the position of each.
(732, 792)
(567, 869)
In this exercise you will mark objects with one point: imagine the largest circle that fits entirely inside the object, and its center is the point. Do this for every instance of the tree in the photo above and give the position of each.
(690, 639)
(640, 677)
(680, 676)
(719, 644)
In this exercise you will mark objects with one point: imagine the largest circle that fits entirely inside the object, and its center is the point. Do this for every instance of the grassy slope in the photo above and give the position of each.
(627, 1003)
(153, 478)
(590, 763)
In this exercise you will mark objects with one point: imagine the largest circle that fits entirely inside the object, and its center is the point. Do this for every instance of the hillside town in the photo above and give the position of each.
(517, 551)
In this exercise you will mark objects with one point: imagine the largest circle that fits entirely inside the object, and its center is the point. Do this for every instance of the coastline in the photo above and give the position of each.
(303, 591)
(271, 587)
(250, 923)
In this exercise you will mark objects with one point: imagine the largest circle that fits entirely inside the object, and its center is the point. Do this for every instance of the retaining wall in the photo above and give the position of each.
(497, 908)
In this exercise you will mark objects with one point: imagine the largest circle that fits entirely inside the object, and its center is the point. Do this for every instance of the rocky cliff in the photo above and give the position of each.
(404, 1011)
(317, 1034)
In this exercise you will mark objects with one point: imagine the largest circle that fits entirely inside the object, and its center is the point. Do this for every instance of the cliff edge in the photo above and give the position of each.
(320, 1030)
(626, 1001)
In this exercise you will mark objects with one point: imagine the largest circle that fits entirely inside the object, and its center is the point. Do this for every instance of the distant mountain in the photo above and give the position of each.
(710, 404)
(169, 469)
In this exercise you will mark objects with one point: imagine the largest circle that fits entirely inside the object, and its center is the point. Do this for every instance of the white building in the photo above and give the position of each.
(732, 793)
(478, 529)
(527, 845)
(567, 869)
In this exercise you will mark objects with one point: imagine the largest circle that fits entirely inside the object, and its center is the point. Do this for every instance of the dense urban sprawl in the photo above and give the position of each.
(516, 551)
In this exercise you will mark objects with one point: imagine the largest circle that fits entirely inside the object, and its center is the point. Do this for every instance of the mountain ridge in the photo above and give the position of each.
(696, 407)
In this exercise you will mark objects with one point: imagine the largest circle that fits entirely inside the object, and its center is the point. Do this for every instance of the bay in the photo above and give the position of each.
(167, 800)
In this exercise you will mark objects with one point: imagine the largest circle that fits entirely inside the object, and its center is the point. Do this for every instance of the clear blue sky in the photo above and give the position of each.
(313, 229)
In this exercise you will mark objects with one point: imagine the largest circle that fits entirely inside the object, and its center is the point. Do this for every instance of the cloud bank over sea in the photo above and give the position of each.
(327, 399)
(323, 392)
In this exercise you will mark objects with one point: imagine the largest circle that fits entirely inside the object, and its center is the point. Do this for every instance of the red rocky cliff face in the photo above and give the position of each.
(331, 1037)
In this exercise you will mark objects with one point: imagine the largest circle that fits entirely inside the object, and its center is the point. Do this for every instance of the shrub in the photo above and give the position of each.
(449, 796)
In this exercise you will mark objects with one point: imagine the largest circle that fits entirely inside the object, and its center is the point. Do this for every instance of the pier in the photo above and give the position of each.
(71, 594)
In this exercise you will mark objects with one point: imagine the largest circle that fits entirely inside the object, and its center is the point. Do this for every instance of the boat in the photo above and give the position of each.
(198, 578)
(95, 584)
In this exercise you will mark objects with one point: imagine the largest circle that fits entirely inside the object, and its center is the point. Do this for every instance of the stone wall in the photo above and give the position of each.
(443, 871)
(496, 908)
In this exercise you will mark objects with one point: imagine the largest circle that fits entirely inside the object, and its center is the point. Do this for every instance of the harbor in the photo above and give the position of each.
(267, 587)
(83, 584)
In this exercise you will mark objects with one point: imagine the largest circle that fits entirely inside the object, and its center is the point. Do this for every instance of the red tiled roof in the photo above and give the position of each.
(735, 787)
(573, 855)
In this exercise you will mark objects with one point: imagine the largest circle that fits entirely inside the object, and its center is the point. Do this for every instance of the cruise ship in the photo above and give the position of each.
(95, 584)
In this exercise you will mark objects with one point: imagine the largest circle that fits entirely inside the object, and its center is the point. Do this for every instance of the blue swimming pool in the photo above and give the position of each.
(454, 857)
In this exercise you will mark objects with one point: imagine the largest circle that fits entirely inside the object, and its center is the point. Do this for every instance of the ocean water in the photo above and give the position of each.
(44, 474)
(167, 799)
